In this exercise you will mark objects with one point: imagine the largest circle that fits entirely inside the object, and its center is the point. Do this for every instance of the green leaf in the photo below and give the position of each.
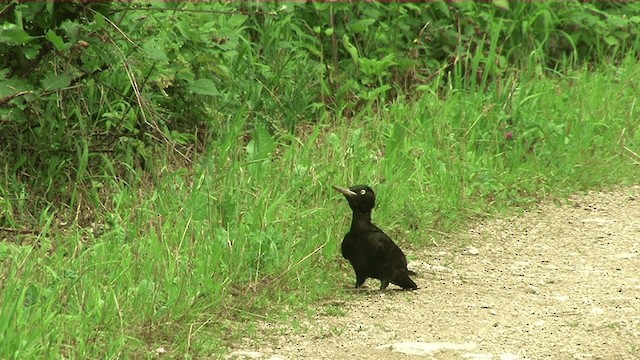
(407, 63)
(55, 39)
(31, 51)
(11, 86)
(262, 145)
(204, 87)
(394, 141)
(442, 7)
(353, 51)
(373, 94)
(502, 4)
(321, 6)
(99, 19)
(72, 30)
(361, 25)
(465, 6)
(180, 137)
(611, 40)
(52, 82)
(155, 49)
(236, 20)
(618, 22)
(14, 35)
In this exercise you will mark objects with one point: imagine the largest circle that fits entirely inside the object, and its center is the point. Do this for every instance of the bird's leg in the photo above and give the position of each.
(383, 284)
(360, 280)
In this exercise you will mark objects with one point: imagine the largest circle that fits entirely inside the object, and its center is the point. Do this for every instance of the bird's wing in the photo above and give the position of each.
(385, 250)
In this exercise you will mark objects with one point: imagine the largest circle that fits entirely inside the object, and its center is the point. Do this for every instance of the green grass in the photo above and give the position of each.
(252, 231)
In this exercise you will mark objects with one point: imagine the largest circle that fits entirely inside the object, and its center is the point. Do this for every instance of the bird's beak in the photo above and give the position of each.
(344, 191)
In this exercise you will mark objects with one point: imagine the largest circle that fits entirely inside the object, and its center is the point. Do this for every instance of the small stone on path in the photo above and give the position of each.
(478, 356)
(423, 348)
(471, 251)
(531, 290)
(244, 354)
(508, 357)
(597, 221)
(628, 255)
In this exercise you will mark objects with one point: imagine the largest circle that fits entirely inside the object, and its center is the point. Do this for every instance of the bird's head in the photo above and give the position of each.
(361, 198)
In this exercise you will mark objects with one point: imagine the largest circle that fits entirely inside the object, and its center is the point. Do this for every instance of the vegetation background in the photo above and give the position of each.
(166, 166)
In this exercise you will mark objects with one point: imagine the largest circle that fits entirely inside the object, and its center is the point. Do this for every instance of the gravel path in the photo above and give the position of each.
(559, 282)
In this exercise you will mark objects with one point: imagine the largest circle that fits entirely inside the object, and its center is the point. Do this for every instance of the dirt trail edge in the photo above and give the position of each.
(559, 282)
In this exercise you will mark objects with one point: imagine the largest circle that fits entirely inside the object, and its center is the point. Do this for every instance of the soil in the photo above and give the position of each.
(559, 281)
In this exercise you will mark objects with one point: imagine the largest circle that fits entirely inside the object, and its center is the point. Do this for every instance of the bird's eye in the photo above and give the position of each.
(362, 192)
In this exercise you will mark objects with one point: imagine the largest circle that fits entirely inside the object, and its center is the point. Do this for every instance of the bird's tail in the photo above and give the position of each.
(404, 281)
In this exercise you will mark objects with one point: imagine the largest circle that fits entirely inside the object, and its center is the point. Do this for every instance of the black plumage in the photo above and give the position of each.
(369, 250)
